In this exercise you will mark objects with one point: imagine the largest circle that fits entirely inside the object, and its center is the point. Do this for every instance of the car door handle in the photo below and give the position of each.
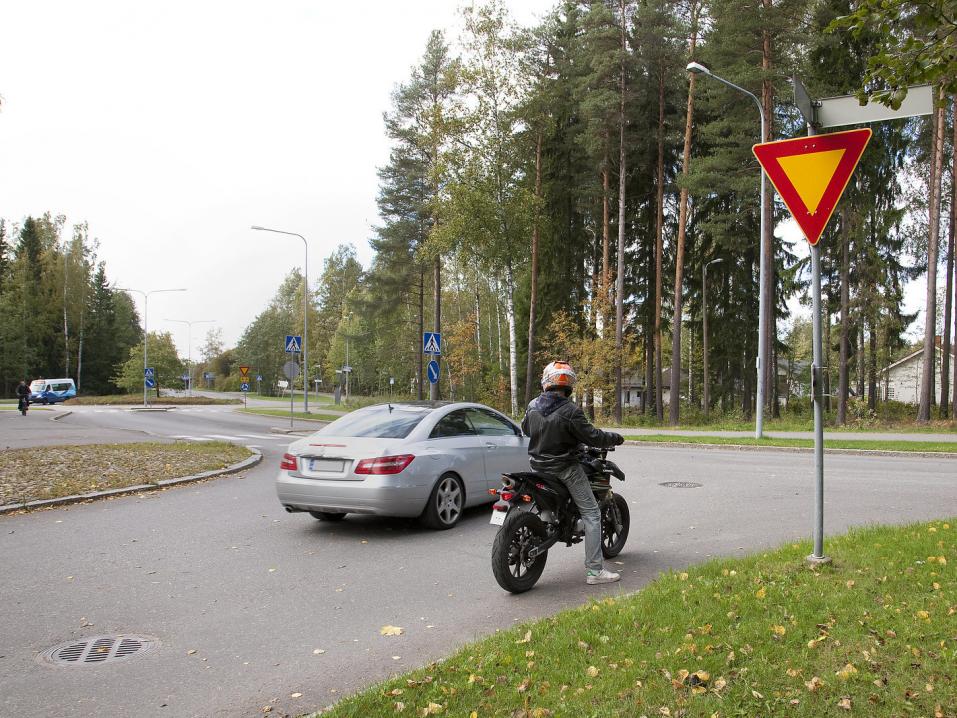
(490, 445)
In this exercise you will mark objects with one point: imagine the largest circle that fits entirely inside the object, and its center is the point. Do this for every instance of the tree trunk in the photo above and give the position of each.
(675, 407)
(845, 306)
(928, 379)
(620, 284)
(953, 202)
(872, 373)
(512, 340)
(478, 325)
(675, 387)
(945, 408)
(605, 284)
(417, 344)
(434, 392)
(533, 296)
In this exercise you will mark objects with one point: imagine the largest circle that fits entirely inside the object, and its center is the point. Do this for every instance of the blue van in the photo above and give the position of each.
(50, 391)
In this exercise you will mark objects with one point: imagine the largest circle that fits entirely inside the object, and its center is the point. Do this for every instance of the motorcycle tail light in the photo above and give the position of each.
(539, 486)
(500, 506)
(384, 465)
(288, 463)
(507, 495)
(493, 492)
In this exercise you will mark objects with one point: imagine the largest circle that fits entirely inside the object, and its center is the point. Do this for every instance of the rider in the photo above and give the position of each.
(23, 395)
(556, 426)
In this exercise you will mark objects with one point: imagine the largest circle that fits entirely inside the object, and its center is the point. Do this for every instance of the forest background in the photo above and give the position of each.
(556, 192)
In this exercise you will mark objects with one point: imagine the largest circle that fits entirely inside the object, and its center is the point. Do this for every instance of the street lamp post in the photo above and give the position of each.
(305, 311)
(189, 345)
(146, 331)
(706, 393)
(348, 368)
(699, 69)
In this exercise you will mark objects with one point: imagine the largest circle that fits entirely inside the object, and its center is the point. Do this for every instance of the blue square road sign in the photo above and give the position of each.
(432, 343)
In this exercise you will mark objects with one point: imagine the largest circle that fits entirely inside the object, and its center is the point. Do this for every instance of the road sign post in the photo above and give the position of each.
(810, 174)
(291, 370)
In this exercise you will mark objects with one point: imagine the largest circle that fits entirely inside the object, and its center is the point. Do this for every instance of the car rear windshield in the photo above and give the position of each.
(382, 422)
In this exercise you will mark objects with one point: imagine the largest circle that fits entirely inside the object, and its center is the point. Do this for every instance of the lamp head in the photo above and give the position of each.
(256, 226)
(715, 261)
(697, 68)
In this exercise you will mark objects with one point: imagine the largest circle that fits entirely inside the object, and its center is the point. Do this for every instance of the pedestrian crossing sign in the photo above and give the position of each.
(293, 344)
(432, 343)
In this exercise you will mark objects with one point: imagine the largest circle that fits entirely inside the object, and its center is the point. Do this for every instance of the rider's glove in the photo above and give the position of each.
(619, 439)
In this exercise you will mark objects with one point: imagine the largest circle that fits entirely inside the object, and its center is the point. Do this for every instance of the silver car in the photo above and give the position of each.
(426, 459)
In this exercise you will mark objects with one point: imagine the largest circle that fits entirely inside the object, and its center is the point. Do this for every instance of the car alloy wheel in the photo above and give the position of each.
(449, 500)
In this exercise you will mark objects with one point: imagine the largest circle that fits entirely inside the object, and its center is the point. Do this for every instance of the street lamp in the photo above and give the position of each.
(699, 69)
(305, 310)
(146, 314)
(189, 345)
(348, 368)
(704, 332)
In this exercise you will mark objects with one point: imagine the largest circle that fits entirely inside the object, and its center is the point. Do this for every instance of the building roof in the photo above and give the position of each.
(904, 360)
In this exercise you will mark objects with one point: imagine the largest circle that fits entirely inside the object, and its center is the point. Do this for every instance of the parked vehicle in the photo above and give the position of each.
(536, 511)
(425, 459)
(50, 391)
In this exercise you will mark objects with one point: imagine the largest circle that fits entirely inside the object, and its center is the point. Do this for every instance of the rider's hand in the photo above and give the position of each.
(619, 439)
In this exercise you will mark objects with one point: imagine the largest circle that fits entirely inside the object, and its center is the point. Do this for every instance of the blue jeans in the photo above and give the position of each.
(577, 483)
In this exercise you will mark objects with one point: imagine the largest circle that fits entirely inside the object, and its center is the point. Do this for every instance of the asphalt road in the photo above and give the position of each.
(220, 569)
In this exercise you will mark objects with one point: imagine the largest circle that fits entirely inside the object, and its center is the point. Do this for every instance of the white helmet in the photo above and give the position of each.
(559, 374)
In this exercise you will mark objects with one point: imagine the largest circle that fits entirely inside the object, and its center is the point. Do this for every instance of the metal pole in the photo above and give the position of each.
(817, 396)
(146, 337)
(763, 269)
(705, 388)
(305, 314)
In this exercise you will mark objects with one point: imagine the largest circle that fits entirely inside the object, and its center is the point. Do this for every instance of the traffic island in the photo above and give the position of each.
(32, 478)
(872, 634)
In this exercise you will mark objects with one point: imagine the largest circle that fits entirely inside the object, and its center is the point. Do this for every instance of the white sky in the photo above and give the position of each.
(172, 127)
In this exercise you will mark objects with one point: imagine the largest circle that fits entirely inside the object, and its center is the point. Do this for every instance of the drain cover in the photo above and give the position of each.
(681, 485)
(98, 649)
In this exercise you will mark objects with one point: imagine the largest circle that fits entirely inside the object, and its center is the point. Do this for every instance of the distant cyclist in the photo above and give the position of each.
(556, 426)
(23, 397)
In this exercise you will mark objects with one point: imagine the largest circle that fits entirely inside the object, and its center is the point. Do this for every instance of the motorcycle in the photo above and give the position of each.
(23, 404)
(535, 511)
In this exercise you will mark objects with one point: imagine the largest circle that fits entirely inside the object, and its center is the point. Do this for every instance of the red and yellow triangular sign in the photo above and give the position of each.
(810, 174)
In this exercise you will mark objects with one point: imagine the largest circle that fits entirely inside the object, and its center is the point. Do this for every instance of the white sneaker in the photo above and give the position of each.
(603, 576)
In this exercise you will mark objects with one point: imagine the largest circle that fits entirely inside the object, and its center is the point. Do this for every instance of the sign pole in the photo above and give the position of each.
(817, 393)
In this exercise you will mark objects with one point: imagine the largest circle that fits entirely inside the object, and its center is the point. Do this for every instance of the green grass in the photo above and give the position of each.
(284, 413)
(134, 399)
(862, 444)
(873, 634)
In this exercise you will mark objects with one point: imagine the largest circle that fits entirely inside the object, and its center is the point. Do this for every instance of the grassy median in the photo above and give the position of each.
(137, 399)
(873, 634)
(946, 447)
(284, 414)
(52, 471)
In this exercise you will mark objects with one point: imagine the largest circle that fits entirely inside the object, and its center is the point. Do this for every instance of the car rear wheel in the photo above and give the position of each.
(327, 515)
(446, 503)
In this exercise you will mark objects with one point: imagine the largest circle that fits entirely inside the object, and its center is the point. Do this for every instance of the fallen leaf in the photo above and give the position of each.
(191, 651)
(399, 706)
(760, 593)
(778, 630)
(793, 672)
(846, 672)
(526, 639)
(844, 703)
(683, 576)
(592, 671)
(923, 615)
(295, 695)
(814, 684)
(318, 651)
(391, 631)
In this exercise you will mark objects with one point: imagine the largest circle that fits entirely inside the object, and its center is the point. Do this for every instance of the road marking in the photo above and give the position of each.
(270, 437)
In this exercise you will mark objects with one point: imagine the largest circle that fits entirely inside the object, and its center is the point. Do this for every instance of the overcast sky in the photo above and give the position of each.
(173, 127)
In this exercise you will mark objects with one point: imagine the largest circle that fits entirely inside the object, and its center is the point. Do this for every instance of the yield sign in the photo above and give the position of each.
(810, 174)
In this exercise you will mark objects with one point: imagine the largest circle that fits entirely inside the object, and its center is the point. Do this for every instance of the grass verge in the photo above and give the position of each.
(873, 634)
(284, 413)
(936, 426)
(946, 447)
(54, 471)
(134, 399)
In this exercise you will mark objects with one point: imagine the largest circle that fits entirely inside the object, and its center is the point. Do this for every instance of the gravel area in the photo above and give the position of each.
(51, 472)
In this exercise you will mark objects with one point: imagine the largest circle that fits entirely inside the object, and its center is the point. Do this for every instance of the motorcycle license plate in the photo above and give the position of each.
(498, 518)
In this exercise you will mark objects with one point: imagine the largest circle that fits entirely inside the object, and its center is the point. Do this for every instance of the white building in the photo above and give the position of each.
(902, 379)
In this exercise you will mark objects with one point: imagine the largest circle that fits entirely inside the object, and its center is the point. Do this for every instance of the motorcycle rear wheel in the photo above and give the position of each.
(612, 538)
(510, 565)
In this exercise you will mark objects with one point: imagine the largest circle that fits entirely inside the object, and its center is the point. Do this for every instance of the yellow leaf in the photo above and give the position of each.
(778, 630)
(942, 561)
(592, 671)
(849, 584)
(664, 710)
(391, 631)
(703, 676)
(760, 593)
(846, 672)
(814, 684)
(923, 615)
(794, 672)
(683, 576)
(720, 684)
(399, 706)
(844, 703)
(526, 639)
(473, 714)
(936, 586)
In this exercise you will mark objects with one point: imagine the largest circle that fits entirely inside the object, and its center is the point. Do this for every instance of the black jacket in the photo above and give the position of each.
(23, 390)
(555, 427)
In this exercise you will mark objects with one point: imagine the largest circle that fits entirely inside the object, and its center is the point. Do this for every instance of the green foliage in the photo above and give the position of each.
(161, 355)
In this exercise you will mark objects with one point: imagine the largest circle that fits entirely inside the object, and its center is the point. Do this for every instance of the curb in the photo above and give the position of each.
(61, 415)
(279, 430)
(151, 408)
(797, 449)
(164, 483)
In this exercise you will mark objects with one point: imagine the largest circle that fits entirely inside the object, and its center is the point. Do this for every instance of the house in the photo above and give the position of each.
(901, 380)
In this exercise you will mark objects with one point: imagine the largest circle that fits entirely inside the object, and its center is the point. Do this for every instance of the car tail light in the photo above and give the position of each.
(288, 463)
(507, 495)
(384, 464)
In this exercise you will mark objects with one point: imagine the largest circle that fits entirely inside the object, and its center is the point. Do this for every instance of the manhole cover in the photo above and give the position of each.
(98, 649)
(681, 485)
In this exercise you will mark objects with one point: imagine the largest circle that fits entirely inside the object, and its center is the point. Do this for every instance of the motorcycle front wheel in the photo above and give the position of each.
(512, 568)
(615, 522)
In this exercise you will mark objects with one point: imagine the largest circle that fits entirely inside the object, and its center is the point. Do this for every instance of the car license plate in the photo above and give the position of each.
(498, 517)
(327, 465)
